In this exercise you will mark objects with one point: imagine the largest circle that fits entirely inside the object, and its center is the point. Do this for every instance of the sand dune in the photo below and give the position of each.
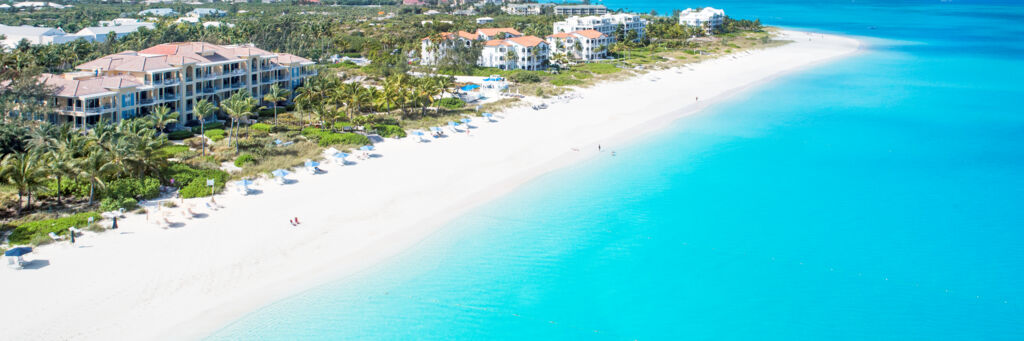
(144, 282)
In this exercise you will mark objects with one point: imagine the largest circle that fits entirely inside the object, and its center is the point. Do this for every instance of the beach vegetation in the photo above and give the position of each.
(179, 134)
(36, 232)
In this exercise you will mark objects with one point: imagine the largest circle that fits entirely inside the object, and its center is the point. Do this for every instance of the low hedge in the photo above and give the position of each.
(179, 135)
(244, 159)
(451, 103)
(114, 204)
(125, 188)
(386, 130)
(37, 230)
(192, 181)
(215, 134)
(208, 126)
(262, 127)
(172, 150)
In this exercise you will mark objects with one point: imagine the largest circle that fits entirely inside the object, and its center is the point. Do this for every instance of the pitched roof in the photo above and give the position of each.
(591, 34)
(288, 58)
(460, 34)
(129, 61)
(205, 52)
(526, 40)
(490, 32)
(65, 87)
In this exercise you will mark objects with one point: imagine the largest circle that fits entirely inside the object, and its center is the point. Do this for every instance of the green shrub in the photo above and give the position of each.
(215, 134)
(179, 135)
(451, 103)
(208, 125)
(340, 126)
(37, 231)
(192, 181)
(145, 189)
(525, 77)
(262, 127)
(244, 159)
(69, 187)
(113, 204)
(172, 150)
(389, 130)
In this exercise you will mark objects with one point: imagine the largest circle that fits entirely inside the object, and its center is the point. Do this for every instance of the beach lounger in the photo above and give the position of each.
(55, 237)
(185, 215)
(15, 263)
(168, 222)
(191, 212)
(211, 206)
(75, 230)
(280, 180)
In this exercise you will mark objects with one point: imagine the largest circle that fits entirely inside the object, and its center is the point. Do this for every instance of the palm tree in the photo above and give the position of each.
(93, 168)
(276, 94)
(61, 165)
(26, 172)
(238, 107)
(162, 117)
(204, 109)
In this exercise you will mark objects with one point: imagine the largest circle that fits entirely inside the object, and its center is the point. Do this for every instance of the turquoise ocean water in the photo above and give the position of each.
(877, 197)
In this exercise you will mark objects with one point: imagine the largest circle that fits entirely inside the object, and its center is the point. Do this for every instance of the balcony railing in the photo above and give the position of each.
(171, 81)
(146, 101)
(210, 90)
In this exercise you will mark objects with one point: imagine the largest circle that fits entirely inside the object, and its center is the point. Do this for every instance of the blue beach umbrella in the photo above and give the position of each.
(18, 251)
(244, 182)
(340, 155)
(312, 164)
(366, 148)
(435, 129)
(417, 133)
(487, 115)
(466, 120)
(280, 173)
(453, 124)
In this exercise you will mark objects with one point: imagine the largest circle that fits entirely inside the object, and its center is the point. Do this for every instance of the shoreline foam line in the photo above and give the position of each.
(144, 282)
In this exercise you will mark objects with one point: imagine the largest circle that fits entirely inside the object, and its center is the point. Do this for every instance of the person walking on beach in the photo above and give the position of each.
(71, 231)
(598, 147)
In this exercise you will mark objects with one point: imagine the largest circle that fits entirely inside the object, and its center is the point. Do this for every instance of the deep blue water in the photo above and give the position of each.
(877, 197)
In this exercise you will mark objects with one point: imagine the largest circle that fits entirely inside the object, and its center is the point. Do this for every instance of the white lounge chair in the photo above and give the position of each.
(75, 230)
(15, 263)
(167, 222)
(186, 215)
(211, 207)
(243, 190)
(55, 237)
(191, 212)
(280, 180)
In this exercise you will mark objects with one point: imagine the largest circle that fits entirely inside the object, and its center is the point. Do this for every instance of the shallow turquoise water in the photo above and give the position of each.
(878, 197)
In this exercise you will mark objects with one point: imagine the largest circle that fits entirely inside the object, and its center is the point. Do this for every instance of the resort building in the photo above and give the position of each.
(606, 24)
(525, 9)
(519, 53)
(38, 4)
(586, 45)
(176, 75)
(484, 20)
(206, 12)
(581, 10)
(433, 48)
(121, 21)
(497, 33)
(159, 12)
(13, 35)
(700, 17)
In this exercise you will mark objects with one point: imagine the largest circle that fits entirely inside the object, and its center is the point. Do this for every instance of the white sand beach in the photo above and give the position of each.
(143, 282)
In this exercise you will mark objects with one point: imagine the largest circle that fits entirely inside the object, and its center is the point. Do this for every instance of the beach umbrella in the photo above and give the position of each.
(244, 182)
(366, 148)
(417, 133)
(18, 251)
(487, 115)
(466, 120)
(312, 163)
(453, 124)
(435, 129)
(280, 173)
(340, 155)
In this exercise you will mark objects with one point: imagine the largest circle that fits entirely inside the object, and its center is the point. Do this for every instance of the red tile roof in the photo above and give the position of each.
(490, 32)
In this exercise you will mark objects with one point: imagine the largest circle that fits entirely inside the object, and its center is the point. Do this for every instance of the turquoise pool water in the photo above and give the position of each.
(877, 197)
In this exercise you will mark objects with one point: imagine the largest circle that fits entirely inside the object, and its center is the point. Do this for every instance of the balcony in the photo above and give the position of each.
(210, 90)
(238, 72)
(170, 97)
(146, 101)
(171, 81)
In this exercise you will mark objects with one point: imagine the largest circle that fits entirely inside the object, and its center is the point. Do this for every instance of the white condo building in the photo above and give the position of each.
(433, 48)
(698, 18)
(176, 75)
(586, 45)
(606, 24)
(519, 53)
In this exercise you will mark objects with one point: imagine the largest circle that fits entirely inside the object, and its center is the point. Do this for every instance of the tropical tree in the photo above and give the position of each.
(93, 168)
(203, 110)
(238, 107)
(61, 165)
(162, 117)
(275, 95)
(26, 172)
